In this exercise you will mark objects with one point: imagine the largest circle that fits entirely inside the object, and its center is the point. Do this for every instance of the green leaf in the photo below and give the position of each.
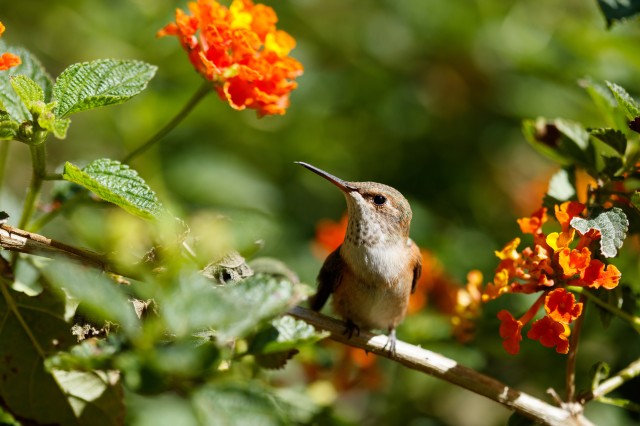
(118, 184)
(30, 67)
(7, 419)
(613, 138)
(95, 396)
(99, 83)
(8, 127)
(604, 102)
(232, 310)
(617, 10)
(612, 224)
(561, 187)
(32, 328)
(27, 89)
(98, 295)
(285, 333)
(625, 100)
(237, 405)
(563, 141)
(49, 121)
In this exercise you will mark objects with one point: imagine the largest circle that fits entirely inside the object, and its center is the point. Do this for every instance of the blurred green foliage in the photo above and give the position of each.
(426, 96)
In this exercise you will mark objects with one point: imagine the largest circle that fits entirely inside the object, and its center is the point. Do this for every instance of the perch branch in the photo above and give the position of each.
(448, 370)
(18, 240)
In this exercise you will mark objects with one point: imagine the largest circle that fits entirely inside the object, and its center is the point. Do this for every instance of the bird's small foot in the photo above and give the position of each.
(391, 342)
(350, 328)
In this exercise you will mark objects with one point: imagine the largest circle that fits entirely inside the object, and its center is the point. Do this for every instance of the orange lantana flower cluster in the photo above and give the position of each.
(7, 60)
(550, 266)
(241, 51)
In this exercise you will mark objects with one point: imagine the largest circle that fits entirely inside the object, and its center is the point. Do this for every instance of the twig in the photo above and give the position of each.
(612, 383)
(446, 369)
(22, 241)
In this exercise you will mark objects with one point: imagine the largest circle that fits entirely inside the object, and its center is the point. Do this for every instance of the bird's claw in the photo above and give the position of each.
(391, 342)
(350, 328)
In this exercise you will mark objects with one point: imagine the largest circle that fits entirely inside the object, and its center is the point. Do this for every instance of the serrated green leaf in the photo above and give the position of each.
(29, 67)
(99, 83)
(617, 10)
(285, 333)
(8, 127)
(613, 138)
(98, 295)
(27, 89)
(604, 102)
(32, 328)
(232, 310)
(118, 184)
(561, 187)
(612, 224)
(625, 100)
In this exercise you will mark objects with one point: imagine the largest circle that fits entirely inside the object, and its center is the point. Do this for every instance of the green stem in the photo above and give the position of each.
(4, 154)
(38, 156)
(195, 99)
(612, 383)
(633, 320)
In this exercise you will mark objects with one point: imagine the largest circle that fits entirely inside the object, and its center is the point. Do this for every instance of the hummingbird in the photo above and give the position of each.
(373, 272)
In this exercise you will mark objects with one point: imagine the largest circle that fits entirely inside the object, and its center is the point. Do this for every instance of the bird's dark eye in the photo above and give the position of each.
(379, 199)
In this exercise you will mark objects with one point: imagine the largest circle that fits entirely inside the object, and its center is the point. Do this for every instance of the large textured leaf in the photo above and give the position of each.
(231, 310)
(613, 138)
(32, 328)
(612, 224)
(99, 83)
(30, 67)
(97, 293)
(27, 89)
(628, 104)
(618, 9)
(95, 396)
(237, 405)
(118, 184)
(284, 334)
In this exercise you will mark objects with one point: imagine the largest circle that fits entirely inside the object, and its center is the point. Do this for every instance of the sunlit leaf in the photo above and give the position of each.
(118, 184)
(99, 83)
(27, 89)
(561, 187)
(628, 104)
(612, 224)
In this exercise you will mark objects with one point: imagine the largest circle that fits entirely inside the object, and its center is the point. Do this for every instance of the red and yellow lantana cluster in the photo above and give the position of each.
(241, 51)
(550, 266)
(8, 60)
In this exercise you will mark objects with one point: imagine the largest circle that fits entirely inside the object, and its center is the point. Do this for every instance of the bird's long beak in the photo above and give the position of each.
(343, 185)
